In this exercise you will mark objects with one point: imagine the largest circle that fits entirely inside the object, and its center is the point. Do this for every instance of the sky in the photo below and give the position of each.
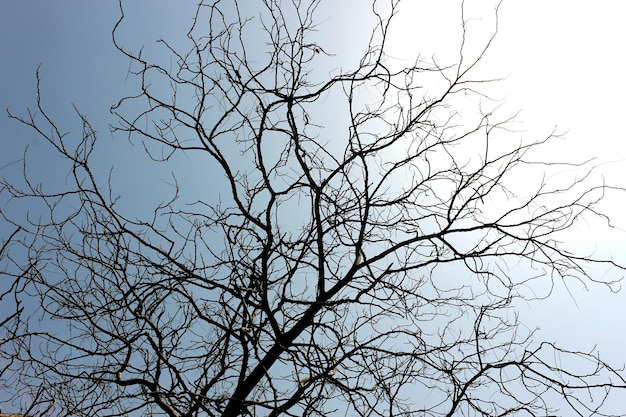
(563, 60)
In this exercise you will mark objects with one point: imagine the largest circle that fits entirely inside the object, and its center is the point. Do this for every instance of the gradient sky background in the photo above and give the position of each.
(564, 60)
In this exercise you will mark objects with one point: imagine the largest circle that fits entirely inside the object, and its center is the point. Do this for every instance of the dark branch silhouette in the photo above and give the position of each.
(360, 251)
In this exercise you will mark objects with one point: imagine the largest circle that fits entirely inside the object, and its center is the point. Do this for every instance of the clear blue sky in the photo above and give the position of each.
(565, 62)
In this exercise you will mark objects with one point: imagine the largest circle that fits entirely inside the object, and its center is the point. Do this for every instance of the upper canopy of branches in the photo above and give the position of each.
(358, 247)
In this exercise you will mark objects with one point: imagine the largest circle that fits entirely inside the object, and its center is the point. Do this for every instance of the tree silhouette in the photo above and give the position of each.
(361, 249)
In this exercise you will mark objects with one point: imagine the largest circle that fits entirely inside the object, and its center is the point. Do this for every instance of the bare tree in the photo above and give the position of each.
(367, 265)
